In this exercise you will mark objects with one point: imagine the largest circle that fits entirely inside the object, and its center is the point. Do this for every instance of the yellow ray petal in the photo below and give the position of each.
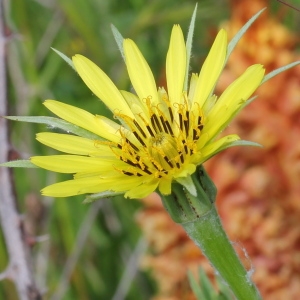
(165, 186)
(101, 85)
(72, 163)
(124, 183)
(232, 99)
(211, 68)
(110, 130)
(101, 126)
(90, 185)
(73, 115)
(137, 106)
(176, 65)
(72, 187)
(139, 72)
(73, 144)
(193, 84)
(217, 146)
(143, 190)
(109, 172)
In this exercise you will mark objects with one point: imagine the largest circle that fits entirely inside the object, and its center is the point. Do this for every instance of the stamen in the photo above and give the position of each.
(156, 122)
(181, 157)
(132, 145)
(128, 173)
(200, 127)
(185, 146)
(186, 122)
(150, 130)
(169, 128)
(139, 128)
(168, 161)
(147, 171)
(171, 113)
(139, 138)
(164, 124)
(199, 120)
(180, 121)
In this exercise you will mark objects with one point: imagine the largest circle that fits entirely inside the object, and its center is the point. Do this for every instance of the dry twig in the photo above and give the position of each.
(18, 269)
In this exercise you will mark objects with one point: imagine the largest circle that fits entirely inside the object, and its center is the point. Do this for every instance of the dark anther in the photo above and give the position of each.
(169, 128)
(180, 121)
(171, 114)
(164, 124)
(139, 128)
(168, 161)
(157, 122)
(150, 130)
(139, 138)
(128, 173)
(132, 145)
(181, 157)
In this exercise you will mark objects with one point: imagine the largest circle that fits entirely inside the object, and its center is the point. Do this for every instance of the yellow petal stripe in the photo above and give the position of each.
(72, 163)
(101, 85)
(72, 144)
(101, 126)
(91, 185)
(176, 65)
(211, 68)
(73, 115)
(71, 187)
(139, 72)
(143, 190)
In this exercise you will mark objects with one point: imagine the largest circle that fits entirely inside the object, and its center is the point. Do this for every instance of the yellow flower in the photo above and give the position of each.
(159, 136)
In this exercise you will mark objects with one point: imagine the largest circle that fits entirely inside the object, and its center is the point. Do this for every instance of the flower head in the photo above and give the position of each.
(160, 135)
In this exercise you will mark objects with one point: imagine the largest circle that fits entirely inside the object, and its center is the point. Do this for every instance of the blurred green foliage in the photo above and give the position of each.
(102, 240)
(204, 289)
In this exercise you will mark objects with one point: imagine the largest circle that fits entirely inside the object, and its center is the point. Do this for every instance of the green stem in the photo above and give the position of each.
(199, 217)
(207, 232)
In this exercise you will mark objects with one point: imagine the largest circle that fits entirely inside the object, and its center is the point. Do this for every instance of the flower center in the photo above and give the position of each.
(162, 148)
(161, 140)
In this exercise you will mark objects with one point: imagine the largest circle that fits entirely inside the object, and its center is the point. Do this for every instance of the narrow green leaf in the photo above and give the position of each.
(247, 103)
(242, 143)
(118, 38)
(240, 33)
(195, 286)
(56, 123)
(280, 70)
(189, 43)
(65, 58)
(100, 196)
(224, 291)
(206, 286)
(18, 164)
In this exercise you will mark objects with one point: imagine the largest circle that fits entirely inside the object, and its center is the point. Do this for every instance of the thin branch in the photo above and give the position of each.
(3, 275)
(82, 235)
(19, 268)
(130, 270)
